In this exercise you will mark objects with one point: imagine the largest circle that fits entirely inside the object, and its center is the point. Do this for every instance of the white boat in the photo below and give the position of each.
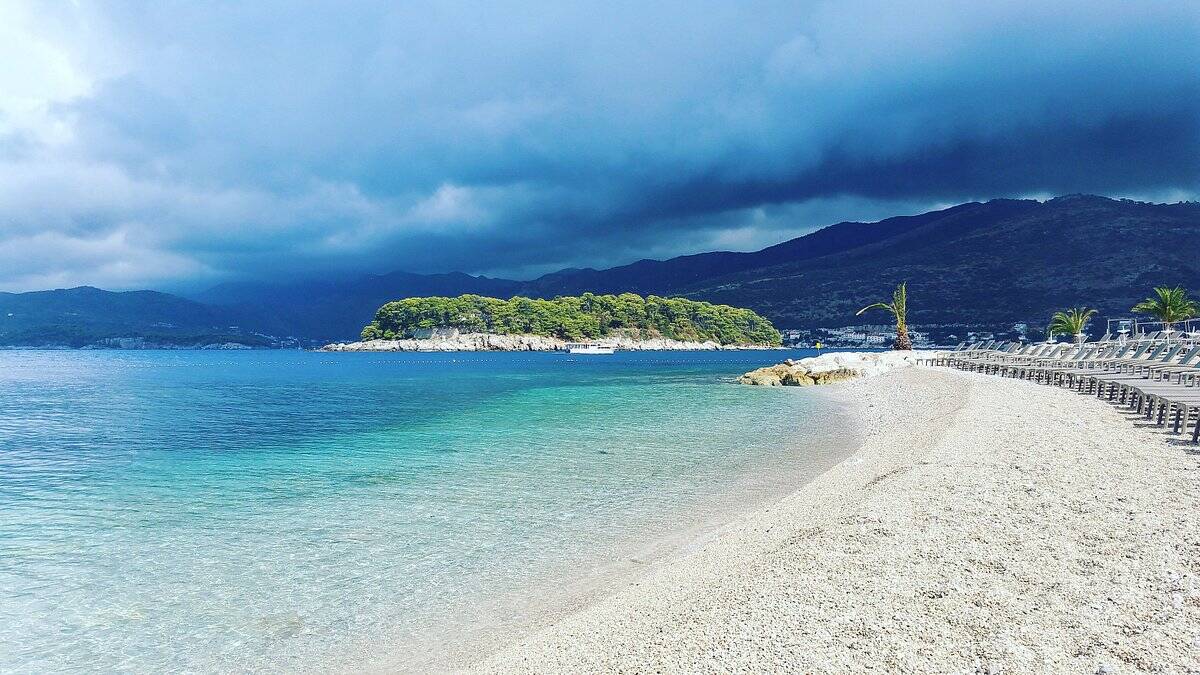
(588, 348)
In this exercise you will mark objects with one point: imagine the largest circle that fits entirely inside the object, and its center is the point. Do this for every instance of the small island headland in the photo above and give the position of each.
(626, 321)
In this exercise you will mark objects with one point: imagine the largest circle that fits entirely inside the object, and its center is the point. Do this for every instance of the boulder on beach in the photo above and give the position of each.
(787, 374)
(771, 376)
(828, 368)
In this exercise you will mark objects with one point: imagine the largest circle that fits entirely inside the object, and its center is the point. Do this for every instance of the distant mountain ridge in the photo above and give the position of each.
(994, 262)
(77, 317)
(669, 276)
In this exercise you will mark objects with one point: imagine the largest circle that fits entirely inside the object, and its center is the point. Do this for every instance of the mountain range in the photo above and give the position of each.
(980, 263)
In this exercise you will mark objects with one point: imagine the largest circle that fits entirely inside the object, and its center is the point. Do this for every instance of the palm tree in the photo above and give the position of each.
(899, 308)
(1171, 305)
(1071, 322)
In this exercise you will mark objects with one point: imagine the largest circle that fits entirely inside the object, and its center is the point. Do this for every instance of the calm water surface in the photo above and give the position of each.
(300, 511)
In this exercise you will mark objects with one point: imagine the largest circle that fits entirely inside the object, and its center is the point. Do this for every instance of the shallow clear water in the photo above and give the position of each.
(299, 511)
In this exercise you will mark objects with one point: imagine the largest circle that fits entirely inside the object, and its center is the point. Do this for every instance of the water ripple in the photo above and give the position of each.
(263, 511)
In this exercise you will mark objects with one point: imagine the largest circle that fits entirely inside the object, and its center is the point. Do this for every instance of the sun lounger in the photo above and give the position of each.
(1159, 379)
(1120, 382)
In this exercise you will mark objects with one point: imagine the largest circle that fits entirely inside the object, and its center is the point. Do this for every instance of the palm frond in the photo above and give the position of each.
(1071, 322)
(878, 305)
(1168, 305)
(899, 309)
(900, 305)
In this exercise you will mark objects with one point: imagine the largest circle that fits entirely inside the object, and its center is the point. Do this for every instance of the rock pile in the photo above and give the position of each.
(829, 368)
(793, 373)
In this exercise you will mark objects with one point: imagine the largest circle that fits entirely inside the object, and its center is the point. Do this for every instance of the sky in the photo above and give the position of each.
(177, 145)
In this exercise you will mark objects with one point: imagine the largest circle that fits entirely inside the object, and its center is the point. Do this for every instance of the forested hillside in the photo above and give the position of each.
(993, 263)
(83, 316)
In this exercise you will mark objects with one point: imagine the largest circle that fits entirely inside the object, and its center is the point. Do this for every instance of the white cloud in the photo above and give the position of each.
(449, 204)
(114, 260)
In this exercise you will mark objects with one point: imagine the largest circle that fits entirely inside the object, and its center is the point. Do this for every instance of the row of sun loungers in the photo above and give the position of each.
(1157, 378)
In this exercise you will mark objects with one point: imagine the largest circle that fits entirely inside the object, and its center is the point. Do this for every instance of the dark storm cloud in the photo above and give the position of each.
(188, 143)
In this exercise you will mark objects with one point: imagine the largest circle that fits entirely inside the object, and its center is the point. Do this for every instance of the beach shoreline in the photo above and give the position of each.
(524, 611)
(983, 525)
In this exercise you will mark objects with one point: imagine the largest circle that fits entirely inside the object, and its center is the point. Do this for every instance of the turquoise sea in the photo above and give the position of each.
(297, 511)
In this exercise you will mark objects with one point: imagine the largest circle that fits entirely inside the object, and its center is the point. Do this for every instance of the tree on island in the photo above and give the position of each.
(585, 317)
(899, 309)
(1071, 322)
(1171, 306)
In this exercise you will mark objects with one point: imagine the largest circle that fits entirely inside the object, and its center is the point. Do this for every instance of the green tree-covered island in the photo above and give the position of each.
(584, 317)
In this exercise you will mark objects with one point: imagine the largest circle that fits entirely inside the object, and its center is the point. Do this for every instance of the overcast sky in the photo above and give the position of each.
(179, 144)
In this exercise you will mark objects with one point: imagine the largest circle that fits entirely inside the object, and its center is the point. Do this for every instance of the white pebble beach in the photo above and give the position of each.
(985, 526)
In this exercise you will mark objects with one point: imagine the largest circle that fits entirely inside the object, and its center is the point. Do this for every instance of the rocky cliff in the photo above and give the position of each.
(487, 342)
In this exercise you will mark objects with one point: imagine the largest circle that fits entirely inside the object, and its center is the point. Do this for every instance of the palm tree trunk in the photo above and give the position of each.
(902, 341)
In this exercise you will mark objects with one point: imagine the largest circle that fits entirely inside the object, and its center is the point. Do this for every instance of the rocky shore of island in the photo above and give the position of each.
(829, 368)
(490, 342)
